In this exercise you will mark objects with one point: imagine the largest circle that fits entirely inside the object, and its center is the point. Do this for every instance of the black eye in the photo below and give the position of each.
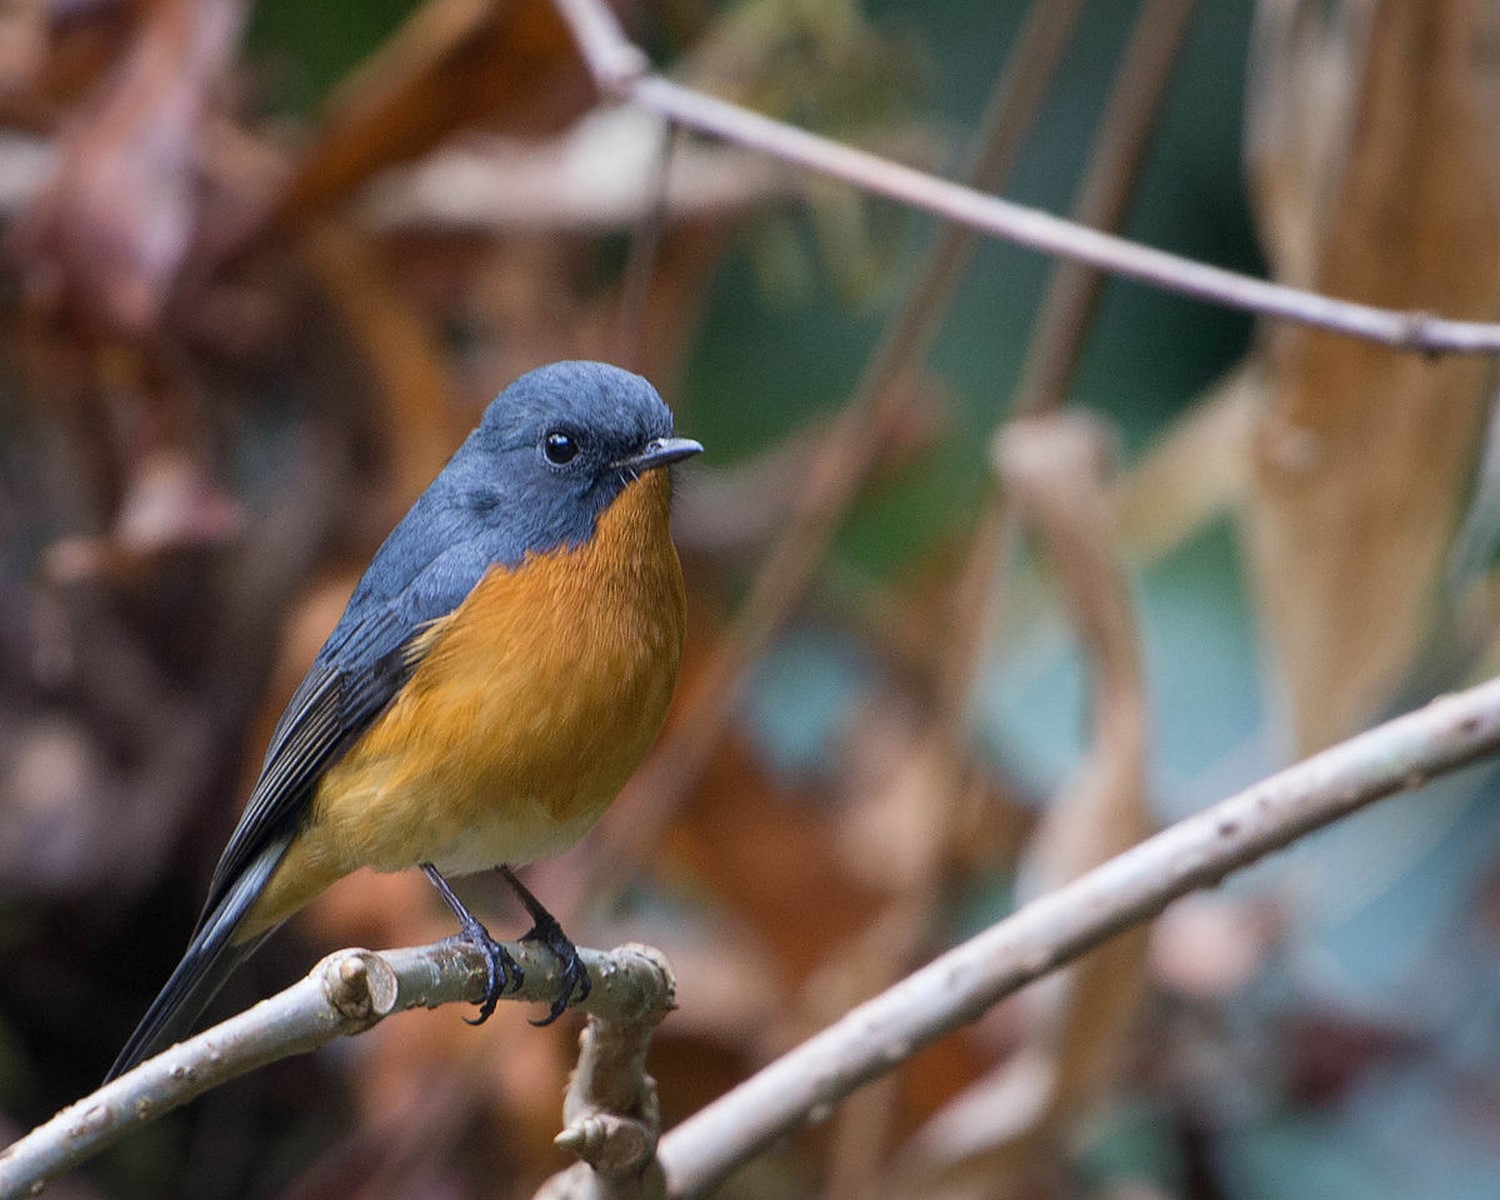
(559, 447)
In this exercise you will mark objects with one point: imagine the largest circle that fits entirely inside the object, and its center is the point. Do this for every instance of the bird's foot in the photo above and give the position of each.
(575, 982)
(502, 970)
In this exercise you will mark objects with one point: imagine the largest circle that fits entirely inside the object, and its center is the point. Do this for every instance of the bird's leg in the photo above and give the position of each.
(545, 929)
(504, 971)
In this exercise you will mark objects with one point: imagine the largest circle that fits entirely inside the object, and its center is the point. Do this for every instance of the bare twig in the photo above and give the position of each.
(611, 1112)
(345, 994)
(618, 69)
(1130, 118)
(614, 63)
(1449, 733)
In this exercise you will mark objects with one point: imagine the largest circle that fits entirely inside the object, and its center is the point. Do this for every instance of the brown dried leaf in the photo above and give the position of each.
(600, 175)
(402, 353)
(768, 857)
(503, 64)
(51, 55)
(110, 233)
(1362, 454)
(1300, 101)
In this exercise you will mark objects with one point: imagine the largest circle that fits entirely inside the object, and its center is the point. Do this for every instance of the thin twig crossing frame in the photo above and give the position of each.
(622, 72)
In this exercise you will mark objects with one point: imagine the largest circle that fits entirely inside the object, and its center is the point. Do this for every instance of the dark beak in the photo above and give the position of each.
(659, 452)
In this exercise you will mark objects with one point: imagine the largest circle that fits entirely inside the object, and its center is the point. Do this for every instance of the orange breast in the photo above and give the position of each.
(533, 703)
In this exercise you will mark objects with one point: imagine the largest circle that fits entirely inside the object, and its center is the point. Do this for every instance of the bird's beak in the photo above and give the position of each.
(659, 452)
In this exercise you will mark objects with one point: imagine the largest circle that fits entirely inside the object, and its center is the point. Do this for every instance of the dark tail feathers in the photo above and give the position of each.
(211, 958)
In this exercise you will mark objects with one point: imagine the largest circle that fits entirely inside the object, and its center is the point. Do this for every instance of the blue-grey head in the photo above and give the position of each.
(550, 455)
(556, 447)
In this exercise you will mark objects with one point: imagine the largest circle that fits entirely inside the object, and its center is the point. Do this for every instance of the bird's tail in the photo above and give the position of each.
(211, 958)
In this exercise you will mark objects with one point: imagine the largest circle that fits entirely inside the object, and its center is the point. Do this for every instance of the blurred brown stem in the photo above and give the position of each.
(848, 453)
(1059, 469)
(1064, 498)
(1119, 153)
(1130, 118)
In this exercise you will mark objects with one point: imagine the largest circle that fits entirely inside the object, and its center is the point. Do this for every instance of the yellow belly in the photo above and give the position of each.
(532, 704)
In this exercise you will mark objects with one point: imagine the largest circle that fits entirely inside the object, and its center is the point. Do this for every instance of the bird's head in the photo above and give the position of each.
(558, 445)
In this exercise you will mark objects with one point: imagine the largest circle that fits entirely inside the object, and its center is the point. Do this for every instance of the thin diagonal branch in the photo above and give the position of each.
(619, 70)
(345, 994)
(957, 987)
(1131, 116)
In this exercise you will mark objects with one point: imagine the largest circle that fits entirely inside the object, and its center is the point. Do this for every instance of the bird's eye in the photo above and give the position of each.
(559, 447)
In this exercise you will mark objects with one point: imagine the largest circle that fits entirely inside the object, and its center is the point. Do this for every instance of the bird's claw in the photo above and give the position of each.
(575, 983)
(501, 970)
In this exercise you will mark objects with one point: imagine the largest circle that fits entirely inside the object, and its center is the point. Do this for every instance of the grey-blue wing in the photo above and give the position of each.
(359, 670)
(330, 710)
(413, 580)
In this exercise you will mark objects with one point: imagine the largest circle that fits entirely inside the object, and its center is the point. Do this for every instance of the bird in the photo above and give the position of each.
(502, 667)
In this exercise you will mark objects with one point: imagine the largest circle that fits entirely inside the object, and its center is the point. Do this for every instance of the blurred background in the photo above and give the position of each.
(994, 567)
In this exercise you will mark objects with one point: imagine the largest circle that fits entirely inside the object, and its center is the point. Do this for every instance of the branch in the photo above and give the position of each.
(1058, 927)
(620, 71)
(1105, 194)
(611, 1112)
(347, 993)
